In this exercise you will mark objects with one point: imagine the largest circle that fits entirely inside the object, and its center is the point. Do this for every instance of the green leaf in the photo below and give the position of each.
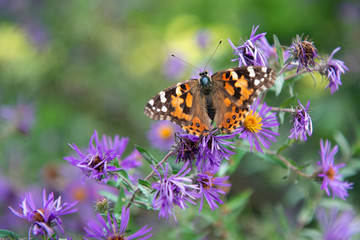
(121, 201)
(279, 50)
(6, 234)
(144, 183)
(282, 117)
(147, 156)
(279, 84)
(343, 144)
(285, 146)
(288, 102)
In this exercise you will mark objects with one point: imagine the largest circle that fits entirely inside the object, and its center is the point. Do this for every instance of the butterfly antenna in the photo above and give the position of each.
(213, 54)
(185, 62)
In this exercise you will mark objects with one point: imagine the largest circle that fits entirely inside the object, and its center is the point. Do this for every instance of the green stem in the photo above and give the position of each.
(149, 176)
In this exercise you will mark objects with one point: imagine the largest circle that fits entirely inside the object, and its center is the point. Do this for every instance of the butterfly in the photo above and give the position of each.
(223, 98)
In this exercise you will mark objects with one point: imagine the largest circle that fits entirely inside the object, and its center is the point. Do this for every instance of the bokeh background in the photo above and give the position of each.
(70, 67)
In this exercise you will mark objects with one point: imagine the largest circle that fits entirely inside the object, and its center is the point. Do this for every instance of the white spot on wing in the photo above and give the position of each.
(251, 71)
(257, 82)
(264, 69)
(151, 102)
(164, 109)
(162, 96)
(178, 91)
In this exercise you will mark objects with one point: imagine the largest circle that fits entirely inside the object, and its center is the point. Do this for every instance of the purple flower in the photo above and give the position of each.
(249, 54)
(203, 38)
(20, 116)
(302, 123)
(268, 50)
(337, 225)
(333, 69)
(161, 135)
(304, 53)
(172, 190)
(330, 172)
(208, 189)
(213, 149)
(186, 148)
(255, 127)
(173, 68)
(95, 162)
(111, 230)
(44, 219)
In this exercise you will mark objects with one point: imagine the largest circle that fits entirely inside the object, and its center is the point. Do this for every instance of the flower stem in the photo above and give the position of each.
(149, 176)
(289, 165)
(277, 109)
(295, 74)
(126, 181)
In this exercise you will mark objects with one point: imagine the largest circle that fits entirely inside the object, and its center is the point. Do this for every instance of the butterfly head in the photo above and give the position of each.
(204, 79)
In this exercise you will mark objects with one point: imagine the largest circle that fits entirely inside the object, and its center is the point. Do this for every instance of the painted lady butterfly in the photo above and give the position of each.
(223, 99)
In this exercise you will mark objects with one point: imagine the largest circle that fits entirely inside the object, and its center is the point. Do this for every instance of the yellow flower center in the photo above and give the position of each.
(252, 122)
(165, 132)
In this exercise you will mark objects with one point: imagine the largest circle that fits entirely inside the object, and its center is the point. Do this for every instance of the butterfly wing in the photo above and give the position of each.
(235, 90)
(181, 104)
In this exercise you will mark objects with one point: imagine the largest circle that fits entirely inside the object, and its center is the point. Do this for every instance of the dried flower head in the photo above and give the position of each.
(304, 53)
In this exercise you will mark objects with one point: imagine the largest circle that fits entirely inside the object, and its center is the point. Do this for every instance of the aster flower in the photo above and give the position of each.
(268, 50)
(249, 54)
(95, 162)
(21, 116)
(209, 189)
(333, 69)
(111, 230)
(329, 172)
(172, 190)
(161, 135)
(44, 219)
(337, 225)
(186, 147)
(255, 127)
(302, 123)
(304, 53)
(213, 149)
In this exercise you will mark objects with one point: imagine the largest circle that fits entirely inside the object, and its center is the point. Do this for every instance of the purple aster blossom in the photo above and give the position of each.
(337, 225)
(110, 230)
(209, 189)
(304, 53)
(186, 148)
(173, 68)
(268, 50)
(203, 38)
(161, 135)
(249, 54)
(95, 162)
(172, 190)
(44, 219)
(21, 116)
(213, 149)
(333, 69)
(302, 123)
(255, 128)
(329, 172)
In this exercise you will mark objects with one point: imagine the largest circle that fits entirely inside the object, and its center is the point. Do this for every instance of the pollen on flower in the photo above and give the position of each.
(252, 122)
(165, 132)
(331, 173)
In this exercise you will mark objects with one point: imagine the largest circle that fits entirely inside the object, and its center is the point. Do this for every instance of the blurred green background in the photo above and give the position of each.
(91, 64)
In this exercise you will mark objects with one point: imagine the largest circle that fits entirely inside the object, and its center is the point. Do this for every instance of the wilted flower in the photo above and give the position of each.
(186, 148)
(21, 116)
(304, 53)
(213, 149)
(44, 219)
(249, 54)
(110, 229)
(302, 123)
(95, 162)
(333, 68)
(255, 127)
(172, 190)
(209, 188)
(337, 225)
(161, 135)
(330, 172)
